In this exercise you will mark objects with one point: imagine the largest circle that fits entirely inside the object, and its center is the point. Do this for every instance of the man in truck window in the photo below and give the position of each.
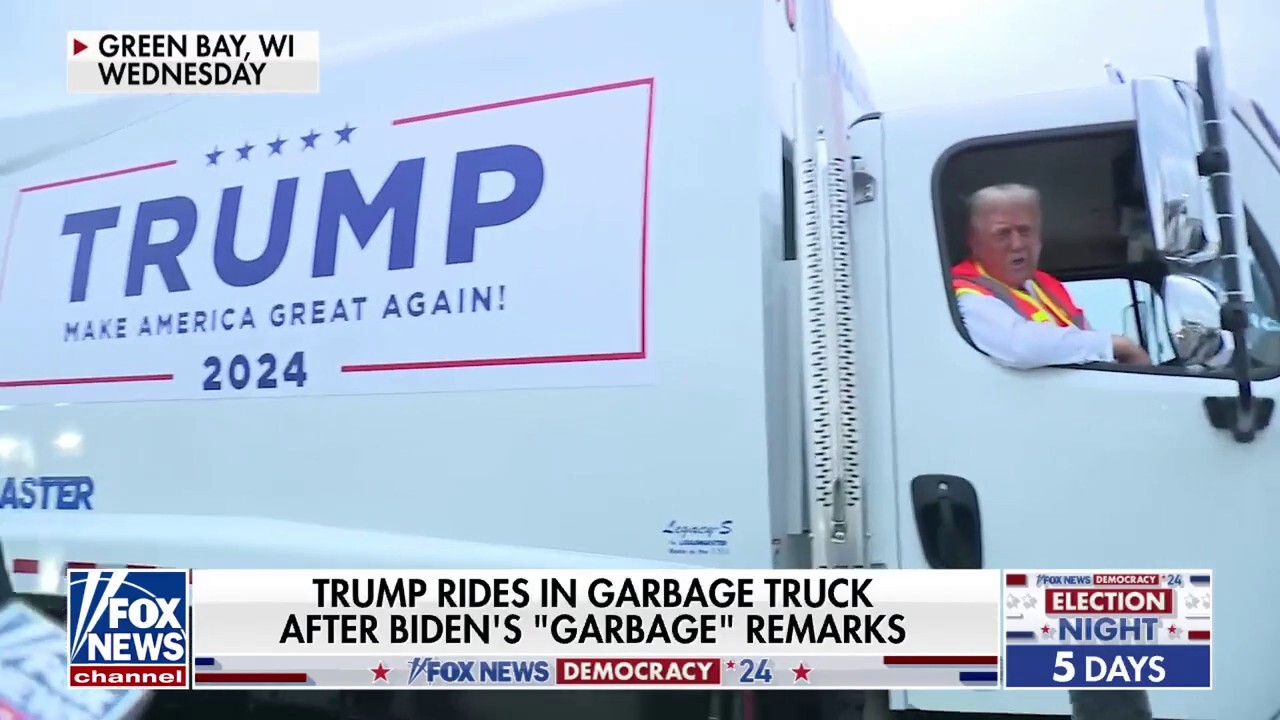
(1019, 315)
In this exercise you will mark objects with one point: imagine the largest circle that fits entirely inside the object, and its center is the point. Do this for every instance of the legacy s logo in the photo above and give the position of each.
(684, 531)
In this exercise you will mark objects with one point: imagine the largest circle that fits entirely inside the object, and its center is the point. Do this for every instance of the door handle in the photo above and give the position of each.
(948, 521)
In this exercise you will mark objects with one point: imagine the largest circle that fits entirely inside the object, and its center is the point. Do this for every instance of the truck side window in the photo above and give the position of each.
(1263, 333)
(1126, 307)
(1264, 316)
(1095, 241)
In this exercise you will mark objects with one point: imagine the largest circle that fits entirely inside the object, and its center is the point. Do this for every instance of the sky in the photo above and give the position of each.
(914, 51)
(922, 51)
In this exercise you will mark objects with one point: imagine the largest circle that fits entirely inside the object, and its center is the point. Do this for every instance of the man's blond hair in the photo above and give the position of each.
(998, 195)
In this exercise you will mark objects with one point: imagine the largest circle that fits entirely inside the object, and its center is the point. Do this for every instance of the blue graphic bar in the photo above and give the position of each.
(979, 676)
(1107, 666)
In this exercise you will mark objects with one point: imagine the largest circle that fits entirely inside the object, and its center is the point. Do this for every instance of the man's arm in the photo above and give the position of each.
(1225, 353)
(1018, 343)
(1226, 349)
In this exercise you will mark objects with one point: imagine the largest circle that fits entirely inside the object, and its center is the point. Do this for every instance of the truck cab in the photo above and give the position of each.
(1099, 465)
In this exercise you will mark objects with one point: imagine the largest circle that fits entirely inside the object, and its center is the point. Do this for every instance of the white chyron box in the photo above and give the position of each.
(134, 61)
(578, 629)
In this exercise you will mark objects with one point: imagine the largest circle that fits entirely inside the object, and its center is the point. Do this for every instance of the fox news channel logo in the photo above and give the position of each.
(127, 628)
(1108, 629)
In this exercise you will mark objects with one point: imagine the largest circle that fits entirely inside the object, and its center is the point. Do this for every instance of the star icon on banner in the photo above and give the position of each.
(1206, 601)
(801, 673)
(1011, 603)
(729, 664)
(309, 141)
(1029, 601)
(380, 672)
(1174, 631)
(1193, 601)
(244, 151)
(344, 135)
(1046, 630)
(213, 156)
(275, 146)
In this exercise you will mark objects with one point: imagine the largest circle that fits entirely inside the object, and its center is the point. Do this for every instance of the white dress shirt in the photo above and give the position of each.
(1015, 342)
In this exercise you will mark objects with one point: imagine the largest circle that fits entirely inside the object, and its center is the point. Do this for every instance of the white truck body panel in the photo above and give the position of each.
(203, 541)
(468, 461)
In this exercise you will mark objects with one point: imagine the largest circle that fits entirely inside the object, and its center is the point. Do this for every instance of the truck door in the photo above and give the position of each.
(1093, 466)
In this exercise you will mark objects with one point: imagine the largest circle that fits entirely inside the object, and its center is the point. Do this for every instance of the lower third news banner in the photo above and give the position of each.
(1108, 629)
(849, 629)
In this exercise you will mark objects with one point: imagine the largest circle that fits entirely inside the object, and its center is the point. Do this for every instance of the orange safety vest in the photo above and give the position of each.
(1050, 303)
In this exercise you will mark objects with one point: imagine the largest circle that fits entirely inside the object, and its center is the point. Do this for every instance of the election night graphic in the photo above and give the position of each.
(127, 628)
(1108, 629)
(501, 244)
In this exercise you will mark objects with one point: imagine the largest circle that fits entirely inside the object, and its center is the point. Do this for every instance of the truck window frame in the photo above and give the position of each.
(1265, 255)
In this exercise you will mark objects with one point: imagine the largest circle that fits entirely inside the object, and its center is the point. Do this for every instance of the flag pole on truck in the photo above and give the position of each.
(836, 521)
(1114, 76)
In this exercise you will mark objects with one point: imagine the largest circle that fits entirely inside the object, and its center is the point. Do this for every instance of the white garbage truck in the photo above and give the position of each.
(635, 283)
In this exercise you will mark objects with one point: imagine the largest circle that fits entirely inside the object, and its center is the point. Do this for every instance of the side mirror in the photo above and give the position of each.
(1193, 308)
(1169, 143)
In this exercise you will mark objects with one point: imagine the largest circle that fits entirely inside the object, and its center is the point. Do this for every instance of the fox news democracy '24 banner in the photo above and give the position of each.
(1108, 629)
(396, 629)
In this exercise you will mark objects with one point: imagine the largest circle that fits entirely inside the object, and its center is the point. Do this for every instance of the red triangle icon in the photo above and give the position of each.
(78, 47)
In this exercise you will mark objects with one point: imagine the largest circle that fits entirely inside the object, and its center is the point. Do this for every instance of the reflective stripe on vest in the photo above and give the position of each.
(1047, 308)
(998, 290)
(1057, 306)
